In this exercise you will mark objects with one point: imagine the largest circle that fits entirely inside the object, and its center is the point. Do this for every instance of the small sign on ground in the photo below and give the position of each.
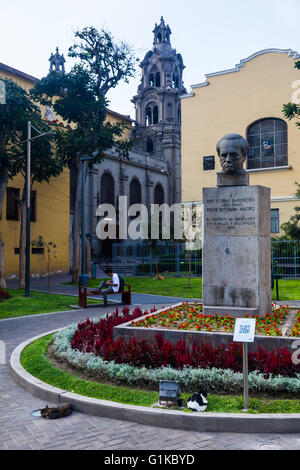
(244, 330)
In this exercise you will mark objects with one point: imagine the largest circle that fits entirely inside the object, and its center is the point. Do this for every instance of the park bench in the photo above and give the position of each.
(84, 293)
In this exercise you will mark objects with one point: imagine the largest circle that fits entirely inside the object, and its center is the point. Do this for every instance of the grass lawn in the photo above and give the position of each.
(38, 302)
(34, 360)
(178, 287)
(173, 287)
(288, 289)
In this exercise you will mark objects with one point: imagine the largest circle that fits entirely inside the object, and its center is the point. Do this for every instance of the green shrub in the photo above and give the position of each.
(211, 380)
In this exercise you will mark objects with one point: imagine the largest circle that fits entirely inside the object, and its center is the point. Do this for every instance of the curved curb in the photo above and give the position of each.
(199, 422)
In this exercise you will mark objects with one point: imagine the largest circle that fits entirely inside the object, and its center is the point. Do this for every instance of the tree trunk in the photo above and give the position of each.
(76, 227)
(2, 265)
(3, 187)
(48, 269)
(22, 255)
(3, 184)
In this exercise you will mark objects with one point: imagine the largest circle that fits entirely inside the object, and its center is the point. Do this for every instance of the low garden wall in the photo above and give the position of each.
(214, 339)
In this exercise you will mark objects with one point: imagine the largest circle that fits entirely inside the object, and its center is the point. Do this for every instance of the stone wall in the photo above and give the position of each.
(268, 343)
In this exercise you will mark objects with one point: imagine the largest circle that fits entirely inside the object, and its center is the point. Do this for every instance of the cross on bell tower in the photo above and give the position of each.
(162, 32)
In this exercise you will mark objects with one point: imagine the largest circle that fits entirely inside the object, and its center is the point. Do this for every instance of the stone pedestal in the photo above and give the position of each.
(241, 178)
(237, 251)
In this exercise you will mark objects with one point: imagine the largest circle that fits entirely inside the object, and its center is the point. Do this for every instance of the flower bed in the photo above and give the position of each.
(209, 379)
(296, 328)
(97, 338)
(90, 336)
(189, 316)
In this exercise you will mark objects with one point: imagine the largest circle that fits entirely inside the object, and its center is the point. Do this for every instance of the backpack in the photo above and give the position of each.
(122, 284)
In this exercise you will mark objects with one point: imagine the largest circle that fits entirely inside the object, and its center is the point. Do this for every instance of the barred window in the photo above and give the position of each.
(275, 227)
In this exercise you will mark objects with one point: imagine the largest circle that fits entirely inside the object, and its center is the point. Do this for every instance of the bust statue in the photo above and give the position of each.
(232, 150)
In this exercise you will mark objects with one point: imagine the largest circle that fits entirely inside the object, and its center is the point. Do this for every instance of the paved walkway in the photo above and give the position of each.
(20, 430)
(59, 286)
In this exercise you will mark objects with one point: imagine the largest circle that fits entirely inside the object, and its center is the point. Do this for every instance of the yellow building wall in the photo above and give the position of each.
(114, 118)
(26, 84)
(229, 104)
(53, 219)
(52, 223)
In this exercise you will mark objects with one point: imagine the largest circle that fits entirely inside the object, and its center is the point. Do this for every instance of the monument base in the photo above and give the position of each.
(235, 312)
(237, 250)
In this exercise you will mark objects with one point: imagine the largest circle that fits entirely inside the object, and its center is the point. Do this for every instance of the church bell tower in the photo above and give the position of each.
(158, 111)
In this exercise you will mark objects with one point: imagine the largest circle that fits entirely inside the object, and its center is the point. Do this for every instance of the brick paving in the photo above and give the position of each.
(20, 430)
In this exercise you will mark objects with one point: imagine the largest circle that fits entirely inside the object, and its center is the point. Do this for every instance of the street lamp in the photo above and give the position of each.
(170, 195)
(83, 278)
(28, 197)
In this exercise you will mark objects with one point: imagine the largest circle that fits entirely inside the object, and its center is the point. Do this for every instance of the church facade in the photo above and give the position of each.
(153, 172)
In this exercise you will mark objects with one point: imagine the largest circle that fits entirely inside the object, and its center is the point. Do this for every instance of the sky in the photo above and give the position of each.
(210, 35)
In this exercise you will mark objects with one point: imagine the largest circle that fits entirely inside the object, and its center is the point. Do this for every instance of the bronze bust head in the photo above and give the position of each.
(232, 150)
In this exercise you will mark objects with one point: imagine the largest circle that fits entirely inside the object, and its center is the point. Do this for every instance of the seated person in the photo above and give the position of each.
(109, 287)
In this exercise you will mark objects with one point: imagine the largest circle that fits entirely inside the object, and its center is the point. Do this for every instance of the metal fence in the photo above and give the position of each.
(168, 258)
(286, 258)
(172, 259)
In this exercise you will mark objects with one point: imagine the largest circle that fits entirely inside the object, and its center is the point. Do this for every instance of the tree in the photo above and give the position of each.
(50, 248)
(2, 265)
(44, 166)
(292, 227)
(157, 224)
(14, 116)
(292, 110)
(79, 97)
(154, 247)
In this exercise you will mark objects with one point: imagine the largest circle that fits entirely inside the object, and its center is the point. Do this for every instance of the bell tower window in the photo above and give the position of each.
(157, 80)
(175, 81)
(151, 79)
(148, 116)
(155, 115)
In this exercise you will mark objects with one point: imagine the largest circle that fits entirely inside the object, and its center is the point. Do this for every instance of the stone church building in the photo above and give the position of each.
(153, 172)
